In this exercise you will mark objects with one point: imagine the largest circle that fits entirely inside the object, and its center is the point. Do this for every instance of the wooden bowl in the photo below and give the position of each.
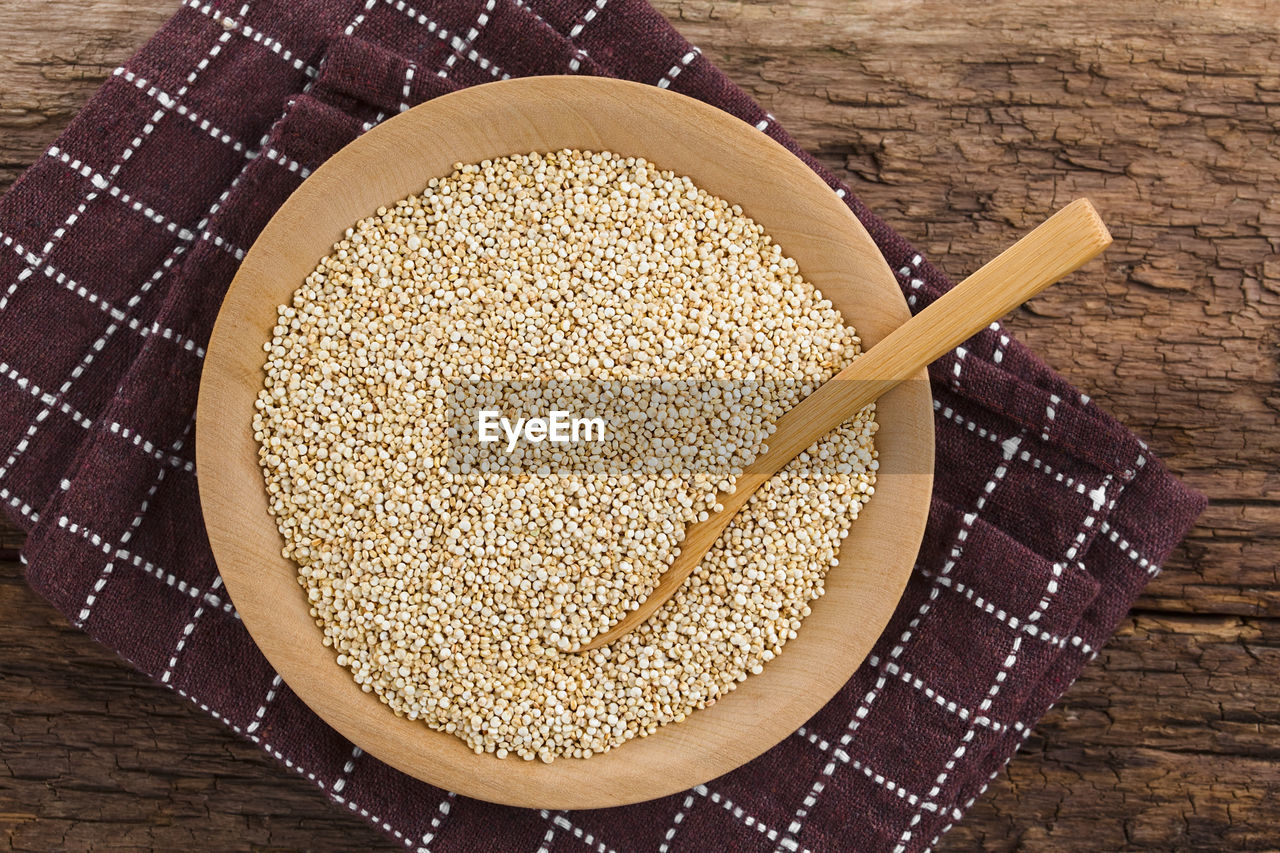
(724, 156)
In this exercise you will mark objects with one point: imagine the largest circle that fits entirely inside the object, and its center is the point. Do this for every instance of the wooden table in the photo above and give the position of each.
(962, 128)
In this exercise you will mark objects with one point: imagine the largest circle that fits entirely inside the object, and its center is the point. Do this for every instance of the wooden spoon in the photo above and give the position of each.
(1059, 246)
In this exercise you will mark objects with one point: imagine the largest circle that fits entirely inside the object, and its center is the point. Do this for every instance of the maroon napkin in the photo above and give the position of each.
(1048, 517)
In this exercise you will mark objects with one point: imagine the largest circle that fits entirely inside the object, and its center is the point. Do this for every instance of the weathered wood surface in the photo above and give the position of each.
(962, 128)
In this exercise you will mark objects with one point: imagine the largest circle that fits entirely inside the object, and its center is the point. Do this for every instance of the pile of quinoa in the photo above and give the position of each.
(459, 595)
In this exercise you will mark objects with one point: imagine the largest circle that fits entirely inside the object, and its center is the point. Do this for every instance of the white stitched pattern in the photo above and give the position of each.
(147, 447)
(186, 635)
(24, 508)
(908, 274)
(25, 442)
(208, 600)
(813, 737)
(459, 46)
(675, 70)
(586, 838)
(931, 805)
(231, 24)
(738, 812)
(469, 39)
(44, 397)
(359, 19)
(590, 16)
(961, 352)
(1009, 447)
(115, 192)
(1128, 550)
(545, 846)
(1050, 414)
(408, 83)
(1003, 343)
(843, 757)
(941, 701)
(103, 578)
(106, 307)
(1069, 482)
(168, 578)
(675, 824)
(972, 426)
(276, 681)
(442, 811)
(521, 4)
(1025, 455)
(1098, 497)
(120, 553)
(341, 781)
(208, 127)
(286, 761)
(1026, 626)
(106, 182)
(100, 183)
(88, 358)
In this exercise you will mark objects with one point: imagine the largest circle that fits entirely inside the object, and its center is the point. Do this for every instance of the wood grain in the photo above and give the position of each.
(960, 127)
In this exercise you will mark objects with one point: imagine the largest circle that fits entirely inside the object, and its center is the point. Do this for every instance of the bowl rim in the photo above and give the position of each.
(764, 709)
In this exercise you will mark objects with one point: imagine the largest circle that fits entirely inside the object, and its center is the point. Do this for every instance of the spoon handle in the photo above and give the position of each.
(1056, 248)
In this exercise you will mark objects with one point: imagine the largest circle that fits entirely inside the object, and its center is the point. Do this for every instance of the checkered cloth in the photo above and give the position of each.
(1048, 518)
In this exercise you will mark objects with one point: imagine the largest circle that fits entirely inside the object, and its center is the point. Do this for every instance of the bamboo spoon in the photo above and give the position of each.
(1059, 246)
